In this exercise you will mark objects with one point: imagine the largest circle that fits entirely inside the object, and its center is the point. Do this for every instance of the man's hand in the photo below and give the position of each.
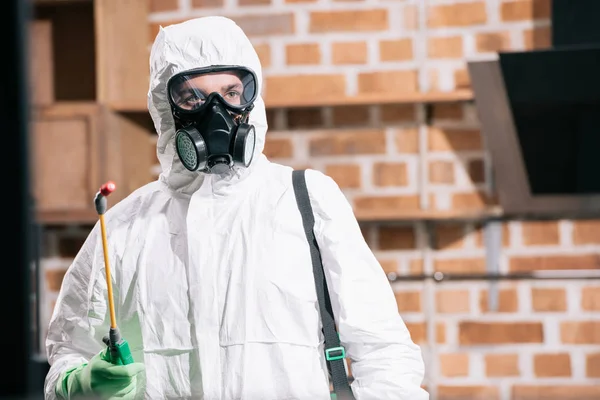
(99, 379)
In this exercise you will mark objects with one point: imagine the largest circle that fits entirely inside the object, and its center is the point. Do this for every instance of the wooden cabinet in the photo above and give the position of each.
(75, 148)
(98, 50)
(88, 61)
(65, 164)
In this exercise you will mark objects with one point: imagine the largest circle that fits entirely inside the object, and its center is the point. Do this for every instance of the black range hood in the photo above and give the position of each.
(540, 117)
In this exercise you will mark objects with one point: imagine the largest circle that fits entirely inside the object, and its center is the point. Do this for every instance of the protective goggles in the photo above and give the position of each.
(189, 90)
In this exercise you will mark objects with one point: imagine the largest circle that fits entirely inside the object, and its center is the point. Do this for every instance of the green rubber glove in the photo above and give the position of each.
(99, 379)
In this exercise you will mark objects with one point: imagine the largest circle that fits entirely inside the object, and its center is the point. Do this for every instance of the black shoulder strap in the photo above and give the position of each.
(334, 352)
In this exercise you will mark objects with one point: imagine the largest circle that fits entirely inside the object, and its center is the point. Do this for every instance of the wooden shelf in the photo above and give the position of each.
(401, 98)
(366, 99)
(427, 215)
(89, 216)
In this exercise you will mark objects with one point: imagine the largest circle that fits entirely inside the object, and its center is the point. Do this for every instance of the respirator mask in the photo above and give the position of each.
(211, 108)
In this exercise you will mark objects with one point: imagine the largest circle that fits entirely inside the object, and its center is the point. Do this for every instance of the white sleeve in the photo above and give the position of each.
(386, 363)
(79, 318)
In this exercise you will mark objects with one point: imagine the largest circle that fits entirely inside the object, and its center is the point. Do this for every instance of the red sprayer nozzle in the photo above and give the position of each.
(108, 188)
(100, 199)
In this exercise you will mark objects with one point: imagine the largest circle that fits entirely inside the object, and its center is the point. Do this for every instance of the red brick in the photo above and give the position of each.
(348, 21)
(492, 42)
(462, 80)
(389, 266)
(303, 118)
(449, 301)
(408, 301)
(387, 82)
(411, 17)
(590, 298)
(396, 237)
(537, 38)
(449, 236)
(537, 233)
(433, 78)
(476, 171)
(357, 141)
(548, 299)
(460, 265)
(501, 365)
(287, 89)
(389, 204)
(471, 201)
(388, 174)
(586, 232)
(418, 332)
(252, 25)
(445, 47)
(271, 116)
(508, 300)
(441, 172)
(468, 392)
(253, 2)
(454, 364)
(54, 278)
(278, 148)
(267, 24)
(350, 115)
(397, 113)
(580, 332)
(263, 51)
(345, 175)
(552, 365)
(207, 3)
(407, 141)
(415, 267)
(486, 333)
(349, 53)
(303, 54)
(457, 15)
(449, 111)
(592, 365)
(69, 246)
(555, 392)
(163, 5)
(366, 233)
(525, 10)
(396, 50)
(454, 139)
(528, 264)
(440, 332)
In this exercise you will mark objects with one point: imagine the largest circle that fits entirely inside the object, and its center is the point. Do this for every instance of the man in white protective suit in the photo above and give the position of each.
(211, 269)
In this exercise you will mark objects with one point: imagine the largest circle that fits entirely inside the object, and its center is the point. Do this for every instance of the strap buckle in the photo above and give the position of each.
(333, 357)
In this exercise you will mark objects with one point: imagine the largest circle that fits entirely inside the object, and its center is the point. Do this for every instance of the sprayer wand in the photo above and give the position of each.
(119, 353)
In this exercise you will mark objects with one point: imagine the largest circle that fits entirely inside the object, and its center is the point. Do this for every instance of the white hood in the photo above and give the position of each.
(197, 43)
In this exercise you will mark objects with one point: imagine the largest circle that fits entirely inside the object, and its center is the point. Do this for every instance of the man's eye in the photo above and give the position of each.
(192, 99)
(232, 94)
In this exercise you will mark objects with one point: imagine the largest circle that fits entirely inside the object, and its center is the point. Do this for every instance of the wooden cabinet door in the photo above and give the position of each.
(65, 149)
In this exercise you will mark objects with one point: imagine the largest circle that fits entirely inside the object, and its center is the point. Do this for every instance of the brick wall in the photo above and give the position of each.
(543, 341)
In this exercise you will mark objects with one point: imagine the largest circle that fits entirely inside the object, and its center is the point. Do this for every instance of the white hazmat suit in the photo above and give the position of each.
(212, 275)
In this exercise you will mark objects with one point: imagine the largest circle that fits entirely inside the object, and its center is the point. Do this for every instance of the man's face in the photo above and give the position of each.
(191, 93)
